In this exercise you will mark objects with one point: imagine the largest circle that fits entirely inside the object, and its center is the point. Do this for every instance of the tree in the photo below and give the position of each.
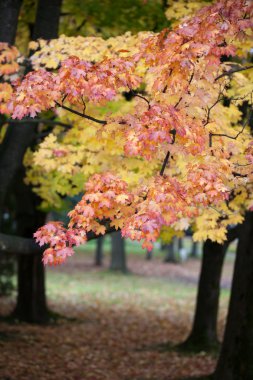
(44, 25)
(149, 254)
(9, 20)
(99, 252)
(125, 75)
(235, 361)
(194, 250)
(31, 300)
(178, 80)
(106, 19)
(118, 255)
(203, 335)
(170, 252)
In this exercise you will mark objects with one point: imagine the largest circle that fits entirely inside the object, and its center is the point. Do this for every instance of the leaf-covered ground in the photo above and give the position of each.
(115, 324)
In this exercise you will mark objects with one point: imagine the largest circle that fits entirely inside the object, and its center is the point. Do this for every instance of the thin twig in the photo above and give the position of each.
(143, 97)
(134, 93)
(235, 174)
(243, 165)
(211, 135)
(232, 71)
(209, 109)
(167, 157)
(84, 105)
(189, 82)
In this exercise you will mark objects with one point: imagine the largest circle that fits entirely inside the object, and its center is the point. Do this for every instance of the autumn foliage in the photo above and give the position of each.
(192, 153)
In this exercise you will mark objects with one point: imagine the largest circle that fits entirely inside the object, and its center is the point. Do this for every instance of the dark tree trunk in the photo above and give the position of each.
(204, 331)
(18, 136)
(182, 252)
(194, 250)
(31, 300)
(118, 255)
(203, 335)
(9, 11)
(47, 19)
(149, 255)
(236, 357)
(170, 256)
(17, 139)
(99, 252)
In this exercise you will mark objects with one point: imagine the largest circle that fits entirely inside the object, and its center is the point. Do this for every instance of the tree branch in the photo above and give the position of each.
(233, 233)
(136, 94)
(167, 157)
(232, 71)
(229, 137)
(189, 82)
(104, 122)
(17, 245)
(44, 121)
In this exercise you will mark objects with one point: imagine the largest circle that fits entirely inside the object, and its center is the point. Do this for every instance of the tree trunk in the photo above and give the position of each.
(182, 252)
(236, 357)
(170, 256)
(18, 136)
(16, 140)
(204, 331)
(99, 252)
(9, 11)
(194, 250)
(47, 19)
(203, 335)
(31, 300)
(149, 255)
(118, 255)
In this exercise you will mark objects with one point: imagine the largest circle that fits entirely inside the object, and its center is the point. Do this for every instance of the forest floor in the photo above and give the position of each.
(113, 325)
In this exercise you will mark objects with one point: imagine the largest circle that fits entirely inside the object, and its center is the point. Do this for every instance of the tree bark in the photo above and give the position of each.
(18, 245)
(170, 256)
(236, 357)
(47, 19)
(99, 252)
(18, 136)
(194, 250)
(31, 301)
(204, 331)
(118, 255)
(203, 335)
(149, 255)
(180, 243)
(17, 139)
(9, 11)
